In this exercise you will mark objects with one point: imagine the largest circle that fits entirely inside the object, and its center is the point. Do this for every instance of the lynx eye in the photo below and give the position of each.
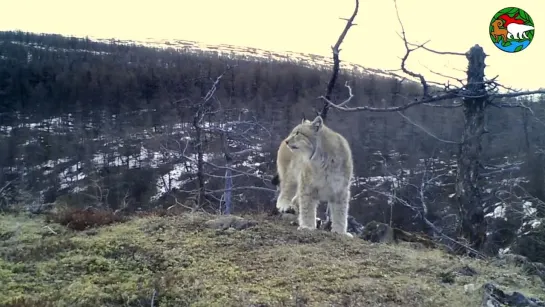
(297, 133)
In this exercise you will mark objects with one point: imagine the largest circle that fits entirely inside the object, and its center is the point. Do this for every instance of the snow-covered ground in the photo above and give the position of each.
(70, 172)
(224, 50)
(109, 152)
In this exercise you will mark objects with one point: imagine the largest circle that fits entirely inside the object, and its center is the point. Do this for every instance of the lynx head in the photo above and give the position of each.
(303, 138)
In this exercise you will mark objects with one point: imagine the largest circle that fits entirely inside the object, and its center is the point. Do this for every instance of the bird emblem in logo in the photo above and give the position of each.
(512, 29)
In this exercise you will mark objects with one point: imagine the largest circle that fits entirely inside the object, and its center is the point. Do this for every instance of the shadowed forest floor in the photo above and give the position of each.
(177, 261)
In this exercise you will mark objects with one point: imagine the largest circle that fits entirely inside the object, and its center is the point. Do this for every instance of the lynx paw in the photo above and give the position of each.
(284, 206)
(345, 233)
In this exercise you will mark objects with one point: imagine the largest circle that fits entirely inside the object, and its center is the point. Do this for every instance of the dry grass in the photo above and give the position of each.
(180, 263)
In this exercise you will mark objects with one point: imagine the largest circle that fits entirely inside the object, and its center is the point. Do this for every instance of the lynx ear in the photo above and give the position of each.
(304, 118)
(317, 123)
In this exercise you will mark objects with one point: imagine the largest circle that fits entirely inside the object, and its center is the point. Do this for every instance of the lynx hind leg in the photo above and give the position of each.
(308, 203)
(287, 193)
(338, 207)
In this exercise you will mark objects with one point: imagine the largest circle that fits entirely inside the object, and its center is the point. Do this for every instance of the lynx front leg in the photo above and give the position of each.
(308, 202)
(285, 198)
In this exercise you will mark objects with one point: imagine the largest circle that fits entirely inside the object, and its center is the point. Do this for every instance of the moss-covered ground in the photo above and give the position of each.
(176, 261)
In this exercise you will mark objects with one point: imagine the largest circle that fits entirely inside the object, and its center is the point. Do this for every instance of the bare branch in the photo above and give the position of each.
(445, 76)
(425, 130)
(153, 297)
(5, 187)
(212, 90)
(226, 167)
(223, 176)
(3, 199)
(350, 95)
(423, 46)
(50, 230)
(454, 106)
(243, 188)
(336, 61)
(517, 94)
(498, 170)
(177, 203)
(435, 98)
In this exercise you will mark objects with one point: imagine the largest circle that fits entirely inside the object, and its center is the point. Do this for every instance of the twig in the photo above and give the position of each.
(153, 298)
(517, 94)
(242, 188)
(442, 97)
(212, 90)
(459, 80)
(50, 230)
(425, 130)
(423, 46)
(5, 187)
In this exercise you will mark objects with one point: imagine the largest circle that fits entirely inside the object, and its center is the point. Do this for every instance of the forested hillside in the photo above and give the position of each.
(114, 125)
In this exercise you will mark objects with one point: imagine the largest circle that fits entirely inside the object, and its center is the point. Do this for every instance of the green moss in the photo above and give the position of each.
(180, 263)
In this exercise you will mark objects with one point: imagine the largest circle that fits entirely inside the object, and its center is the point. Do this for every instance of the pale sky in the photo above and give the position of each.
(310, 26)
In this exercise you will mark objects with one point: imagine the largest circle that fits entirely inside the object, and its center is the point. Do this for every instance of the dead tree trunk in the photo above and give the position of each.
(525, 121)
(201, 194)
(228, 187)
(228, 206)
(467, 180)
